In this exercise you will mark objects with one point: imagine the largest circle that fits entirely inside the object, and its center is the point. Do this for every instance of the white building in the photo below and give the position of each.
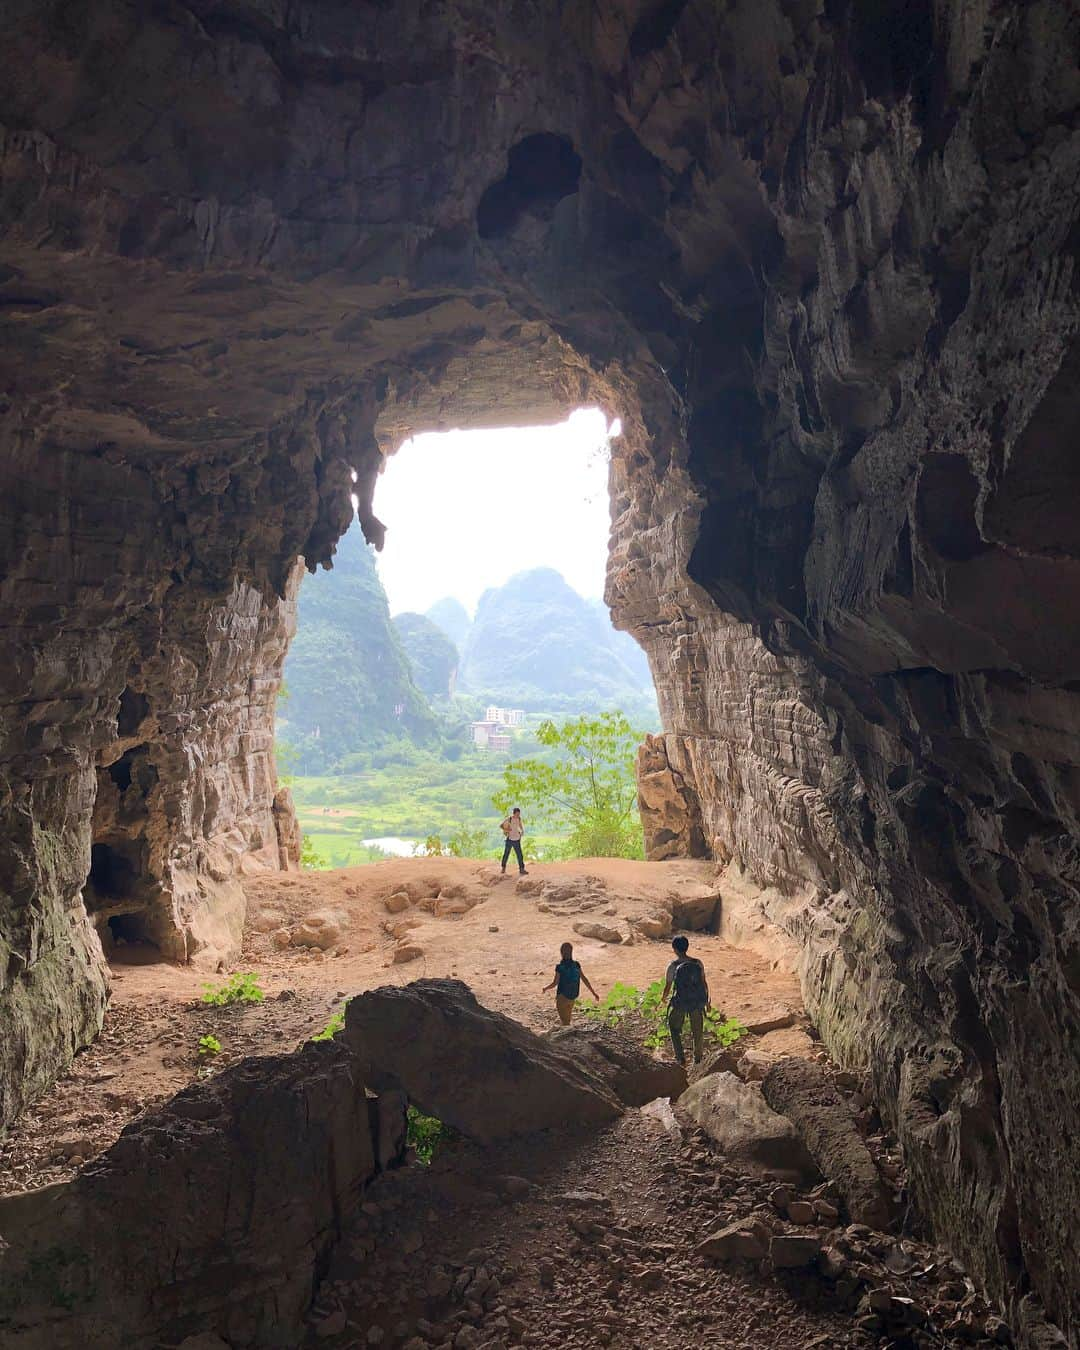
(507, 717)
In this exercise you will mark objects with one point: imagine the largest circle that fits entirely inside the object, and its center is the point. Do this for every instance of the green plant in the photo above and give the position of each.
(336, 1024)
(625, 1001)
(432, 847)
(242, 987)
(468, 843)
(590, 788)
(209, 1046)
(424, 1134)
(309, 859)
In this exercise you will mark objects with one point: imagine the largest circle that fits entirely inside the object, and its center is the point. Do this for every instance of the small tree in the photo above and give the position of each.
(589, 791)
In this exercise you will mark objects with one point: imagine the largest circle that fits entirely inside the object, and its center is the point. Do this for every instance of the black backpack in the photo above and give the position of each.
(689, 992)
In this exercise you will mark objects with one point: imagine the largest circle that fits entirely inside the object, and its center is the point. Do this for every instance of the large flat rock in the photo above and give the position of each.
(476, 1070)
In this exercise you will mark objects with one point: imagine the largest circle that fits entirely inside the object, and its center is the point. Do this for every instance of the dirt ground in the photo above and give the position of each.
(504, 946)
(588, 1240)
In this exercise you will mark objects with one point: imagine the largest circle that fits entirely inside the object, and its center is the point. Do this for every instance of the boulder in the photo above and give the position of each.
(267, 920)
(480, 1072)
(725, 1060)
(447, 905)
(250, 1171)
(634, 1075)
(656, 925)
(600, 931)
(754, 1064)
(793, 1251)
(660, 1113)
(322, 929)
(696, 911)
(736, 1117)
(803, 1092)
(407, 951)
(397, 902)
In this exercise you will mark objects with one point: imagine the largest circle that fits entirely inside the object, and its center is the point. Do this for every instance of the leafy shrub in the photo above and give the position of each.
(209, 1046)
(336, 1024)
(625, 1002)
(309, 859)
(468, 843)
(243, 987)
(424, 1134)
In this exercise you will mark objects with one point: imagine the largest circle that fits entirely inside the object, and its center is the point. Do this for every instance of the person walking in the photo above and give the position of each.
(513, 827)
(567, 984)
(688, 990)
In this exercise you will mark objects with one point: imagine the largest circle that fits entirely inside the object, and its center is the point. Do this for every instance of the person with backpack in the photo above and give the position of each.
(513, 827)
(567, 984)
(688, 990)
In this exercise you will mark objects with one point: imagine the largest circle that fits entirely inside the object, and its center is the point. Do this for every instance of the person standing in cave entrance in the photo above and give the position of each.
(513, 827)
(688, 989)
(567, 984)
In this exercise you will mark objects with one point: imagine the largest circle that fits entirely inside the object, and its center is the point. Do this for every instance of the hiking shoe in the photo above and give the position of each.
(522, 872)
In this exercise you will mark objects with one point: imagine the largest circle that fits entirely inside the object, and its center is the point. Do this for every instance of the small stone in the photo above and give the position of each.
(877, 1300)
(397, 902)
(780, 1197)
(739, 1241)
(407, 951)
(801, 1211)
(493, 927)
(546, 1271)
(281, 938)
(826, 1210)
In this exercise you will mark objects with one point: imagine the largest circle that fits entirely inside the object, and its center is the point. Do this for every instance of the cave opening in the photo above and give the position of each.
(112, 873)
(130, 930)
(417, 673)
(541, 170)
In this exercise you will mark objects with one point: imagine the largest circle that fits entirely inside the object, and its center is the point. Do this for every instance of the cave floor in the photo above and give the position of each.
(504, 946)
(577, 1241)
(584, 1241)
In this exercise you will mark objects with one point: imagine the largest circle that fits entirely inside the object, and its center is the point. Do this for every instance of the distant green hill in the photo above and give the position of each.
(537, 643)
(433, 657)
(347, 675)
(453, 618)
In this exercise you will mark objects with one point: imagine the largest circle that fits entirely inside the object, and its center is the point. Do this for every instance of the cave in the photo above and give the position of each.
(821, 260)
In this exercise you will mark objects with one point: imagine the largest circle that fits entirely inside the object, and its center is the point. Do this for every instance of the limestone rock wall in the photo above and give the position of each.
(820, 258)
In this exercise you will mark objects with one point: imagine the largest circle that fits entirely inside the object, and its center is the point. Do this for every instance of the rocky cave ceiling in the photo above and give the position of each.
(819, 255)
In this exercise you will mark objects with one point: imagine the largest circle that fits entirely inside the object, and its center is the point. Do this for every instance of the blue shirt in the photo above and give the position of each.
(568, 974)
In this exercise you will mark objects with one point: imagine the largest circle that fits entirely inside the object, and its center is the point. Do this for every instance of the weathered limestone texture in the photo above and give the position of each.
(490, 1078)
(820, 258)
(213, 1213)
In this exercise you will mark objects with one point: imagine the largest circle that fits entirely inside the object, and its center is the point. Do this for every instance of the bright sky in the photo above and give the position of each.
(465, 510)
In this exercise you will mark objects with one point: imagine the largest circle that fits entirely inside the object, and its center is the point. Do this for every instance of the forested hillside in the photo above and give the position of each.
(537, 643)
(432, 655)
(347, 676)
(453, 618)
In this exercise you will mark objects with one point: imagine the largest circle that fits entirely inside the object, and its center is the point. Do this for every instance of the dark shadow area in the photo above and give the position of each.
(541, 170)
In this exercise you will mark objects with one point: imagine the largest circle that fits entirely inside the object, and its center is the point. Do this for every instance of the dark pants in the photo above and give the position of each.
(514, 844)
(676, 1018)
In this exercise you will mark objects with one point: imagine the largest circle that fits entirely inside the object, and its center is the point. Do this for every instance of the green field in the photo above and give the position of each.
(411, 797)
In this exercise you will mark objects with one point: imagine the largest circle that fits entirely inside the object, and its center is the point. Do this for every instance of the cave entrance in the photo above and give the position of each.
(417, 673)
